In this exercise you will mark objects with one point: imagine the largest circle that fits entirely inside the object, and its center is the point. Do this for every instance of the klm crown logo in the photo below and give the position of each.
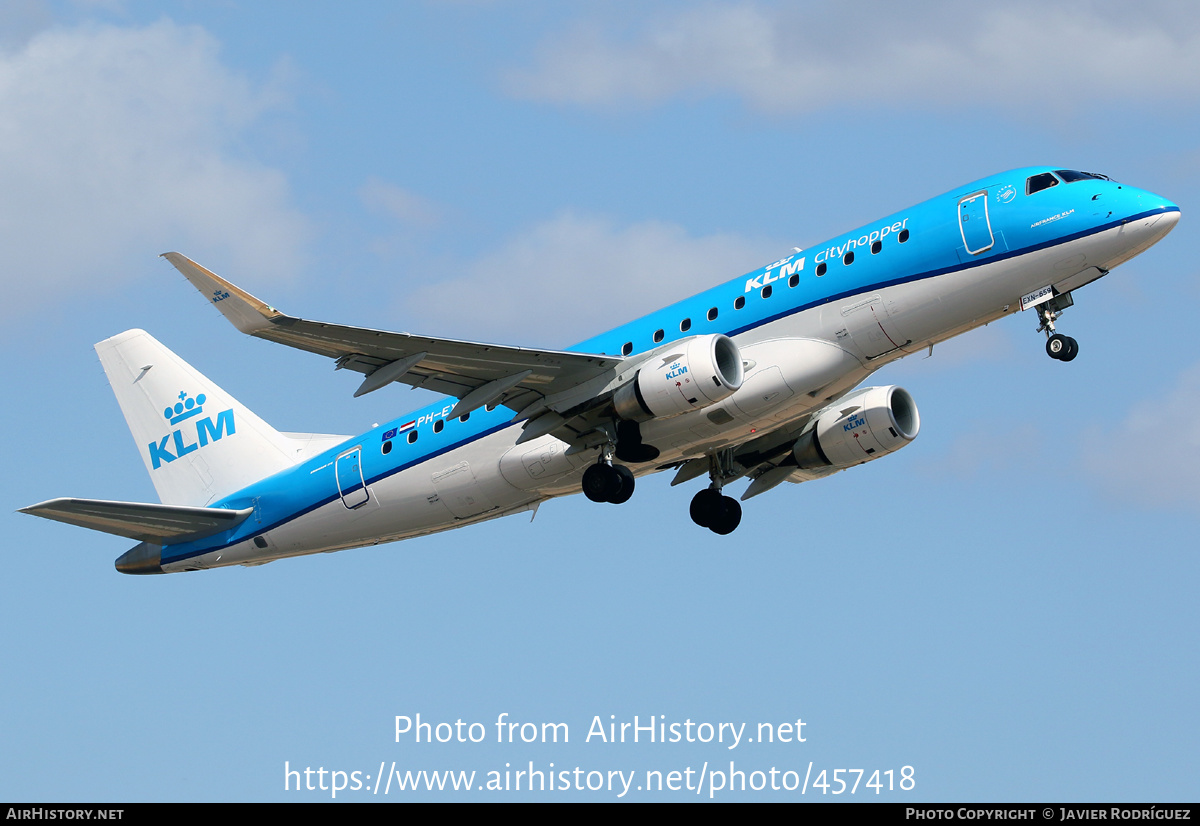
(187, 410)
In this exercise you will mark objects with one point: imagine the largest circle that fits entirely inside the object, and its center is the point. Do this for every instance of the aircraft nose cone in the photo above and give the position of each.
(1166, 219)
(1158, 202)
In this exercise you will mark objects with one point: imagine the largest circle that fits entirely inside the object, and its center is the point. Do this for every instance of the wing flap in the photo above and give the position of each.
(143, 521)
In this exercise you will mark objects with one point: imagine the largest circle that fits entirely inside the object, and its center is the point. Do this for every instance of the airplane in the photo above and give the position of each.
(758, 378)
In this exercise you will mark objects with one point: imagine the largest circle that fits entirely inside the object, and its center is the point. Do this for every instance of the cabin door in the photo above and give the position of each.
(974, 223)
(348, 470)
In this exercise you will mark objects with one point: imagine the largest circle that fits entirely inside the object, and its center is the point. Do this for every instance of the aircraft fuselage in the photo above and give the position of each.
(810, 327)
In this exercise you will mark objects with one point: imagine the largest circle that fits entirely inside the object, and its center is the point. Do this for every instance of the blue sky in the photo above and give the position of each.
(1008, 606)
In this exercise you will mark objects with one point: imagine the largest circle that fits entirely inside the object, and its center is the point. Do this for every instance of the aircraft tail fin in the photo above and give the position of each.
(197, 441)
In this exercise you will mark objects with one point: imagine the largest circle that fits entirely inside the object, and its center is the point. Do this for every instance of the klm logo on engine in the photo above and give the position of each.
(854, 423)
(191, 430)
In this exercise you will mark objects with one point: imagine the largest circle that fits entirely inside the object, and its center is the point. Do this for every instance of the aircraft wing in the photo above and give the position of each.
(477, 374)
(157, 524)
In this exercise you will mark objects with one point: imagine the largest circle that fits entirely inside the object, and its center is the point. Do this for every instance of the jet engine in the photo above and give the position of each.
(858, 428)
(688, 374)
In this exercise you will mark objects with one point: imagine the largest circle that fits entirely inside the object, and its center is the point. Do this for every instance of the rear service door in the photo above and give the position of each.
(350, 478)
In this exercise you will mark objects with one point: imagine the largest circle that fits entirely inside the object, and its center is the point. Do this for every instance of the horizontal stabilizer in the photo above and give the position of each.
(159, 524)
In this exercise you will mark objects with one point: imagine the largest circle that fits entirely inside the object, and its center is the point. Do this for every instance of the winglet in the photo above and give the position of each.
(246, 312)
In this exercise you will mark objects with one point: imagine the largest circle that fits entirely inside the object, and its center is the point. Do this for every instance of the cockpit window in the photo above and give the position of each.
(1036, 183)
(1070, 176)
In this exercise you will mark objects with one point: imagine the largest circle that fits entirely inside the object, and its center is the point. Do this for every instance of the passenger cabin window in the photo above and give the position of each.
(1036, 183)
(848, 258)
(766, 291)
(627, 348)
(821, 268)
(658, 336)
(739, 302)
(685, 325)
(438, 425)
(712, 314)
(794, 280)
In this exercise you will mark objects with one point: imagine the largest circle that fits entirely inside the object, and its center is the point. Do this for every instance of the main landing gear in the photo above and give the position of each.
(712, 509)
(1058, 346)
(606, 482)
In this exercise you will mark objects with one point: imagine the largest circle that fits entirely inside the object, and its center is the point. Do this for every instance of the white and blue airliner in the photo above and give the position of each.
(758, 378)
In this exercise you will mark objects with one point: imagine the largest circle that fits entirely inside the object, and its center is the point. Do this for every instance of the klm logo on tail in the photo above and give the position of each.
(186, 412)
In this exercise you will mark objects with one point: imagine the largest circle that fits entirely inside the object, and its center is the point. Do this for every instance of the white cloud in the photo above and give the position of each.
(1153, 457)
(574, 276)
(403, 206)
(1032, 56)
(119, 143)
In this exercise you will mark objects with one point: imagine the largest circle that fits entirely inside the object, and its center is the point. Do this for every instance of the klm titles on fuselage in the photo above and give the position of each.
(864, 240)
(206, 430)
(787, 267)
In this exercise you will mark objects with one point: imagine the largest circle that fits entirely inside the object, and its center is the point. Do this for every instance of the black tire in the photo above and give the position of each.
(627, 485)
(601, 483)
(1057, 346)
(1072, 350)
(704, 505)
(726, 517)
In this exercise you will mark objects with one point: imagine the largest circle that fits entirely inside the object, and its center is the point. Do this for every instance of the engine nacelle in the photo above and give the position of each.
(689, 374)
(869, 424)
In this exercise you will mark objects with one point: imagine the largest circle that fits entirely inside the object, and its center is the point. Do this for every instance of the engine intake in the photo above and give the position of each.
(686, 375)
(859, 428)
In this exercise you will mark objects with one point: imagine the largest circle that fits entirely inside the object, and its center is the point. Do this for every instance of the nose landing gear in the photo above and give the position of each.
(1063, 348)
(1058, 346)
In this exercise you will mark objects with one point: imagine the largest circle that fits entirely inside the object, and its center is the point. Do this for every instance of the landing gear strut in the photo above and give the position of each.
(712, 509)
(1058, 346)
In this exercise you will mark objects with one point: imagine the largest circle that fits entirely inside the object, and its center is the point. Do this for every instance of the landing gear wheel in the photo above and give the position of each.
(627, 483)
(726, 517)
(1057, 346)
(1063, 348)
(720, 514)
(601, 482)
(704, 506)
